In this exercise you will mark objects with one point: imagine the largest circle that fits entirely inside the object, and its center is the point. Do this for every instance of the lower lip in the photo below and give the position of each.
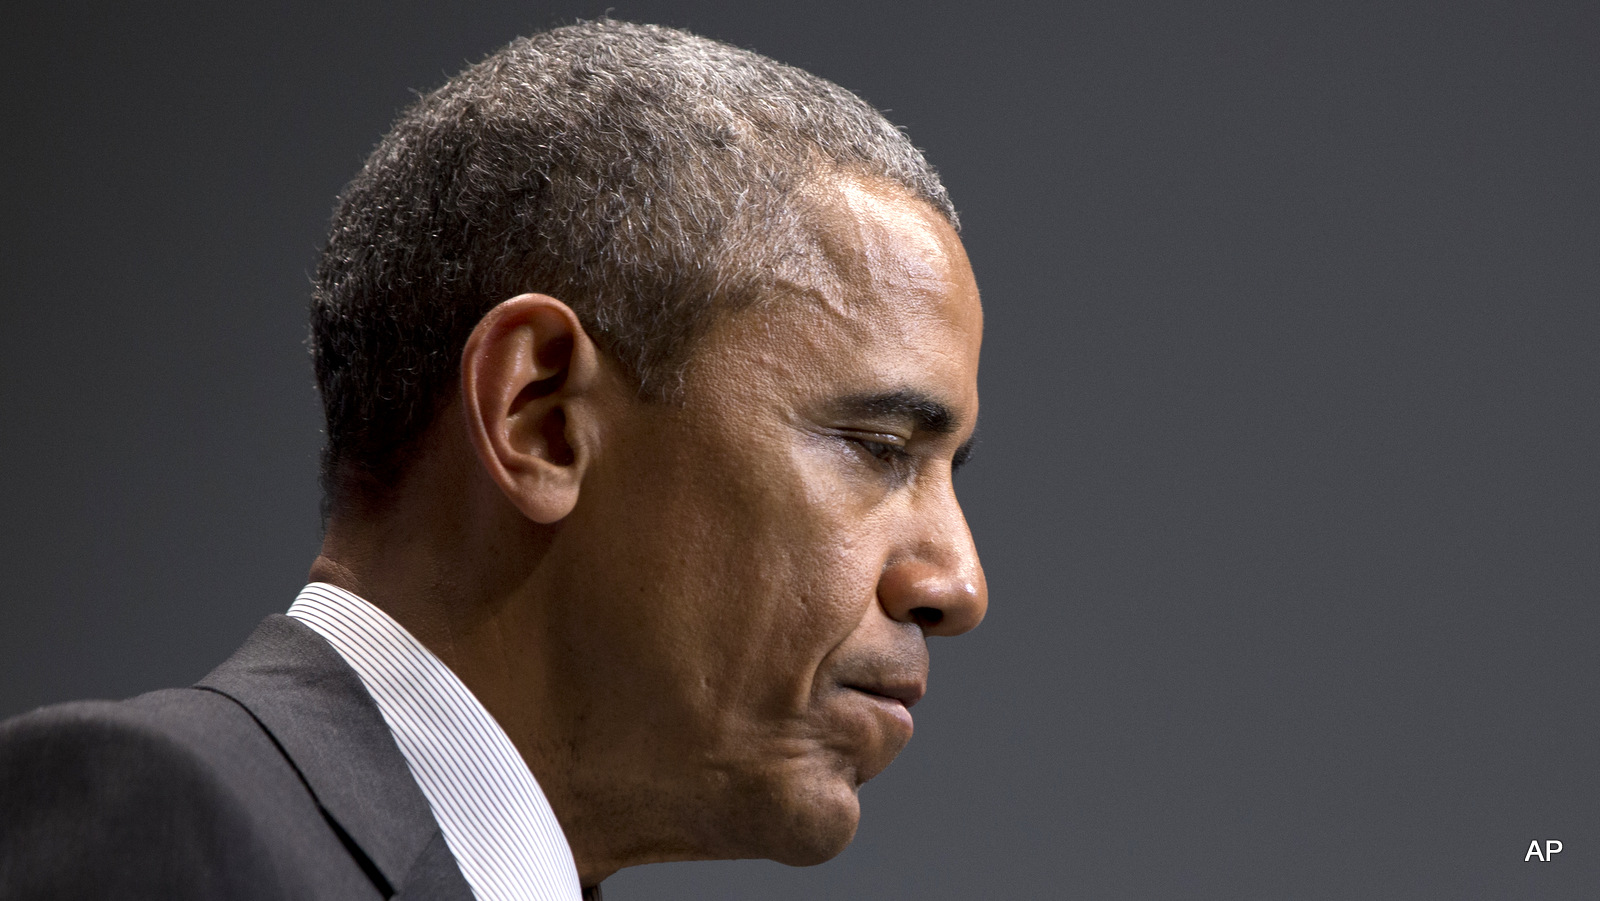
(890, 706)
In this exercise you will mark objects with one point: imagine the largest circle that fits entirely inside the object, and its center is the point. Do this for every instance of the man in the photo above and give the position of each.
(647, 363)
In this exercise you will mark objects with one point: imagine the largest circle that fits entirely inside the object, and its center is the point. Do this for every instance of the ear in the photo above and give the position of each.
(528, 373)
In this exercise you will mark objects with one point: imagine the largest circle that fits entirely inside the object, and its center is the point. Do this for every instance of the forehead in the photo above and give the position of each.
(880, 298)
(874, 242)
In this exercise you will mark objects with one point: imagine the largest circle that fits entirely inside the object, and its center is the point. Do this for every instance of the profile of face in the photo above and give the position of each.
(773, 552)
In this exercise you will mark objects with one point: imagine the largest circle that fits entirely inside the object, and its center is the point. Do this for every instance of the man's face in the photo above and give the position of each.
(773, 551)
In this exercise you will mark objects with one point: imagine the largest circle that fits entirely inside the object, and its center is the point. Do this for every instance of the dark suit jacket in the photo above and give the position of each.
(274, 777)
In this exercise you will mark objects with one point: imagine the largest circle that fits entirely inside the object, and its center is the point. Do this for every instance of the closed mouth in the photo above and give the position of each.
(907, 694)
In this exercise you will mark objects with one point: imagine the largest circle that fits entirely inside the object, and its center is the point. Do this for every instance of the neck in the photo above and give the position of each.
(499, 600)
(438, 567)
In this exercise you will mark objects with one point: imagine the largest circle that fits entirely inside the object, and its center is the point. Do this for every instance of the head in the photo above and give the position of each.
(675, 349)
(648, 178)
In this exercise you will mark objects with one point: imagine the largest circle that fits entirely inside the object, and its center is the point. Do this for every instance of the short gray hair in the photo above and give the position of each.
(647, 177)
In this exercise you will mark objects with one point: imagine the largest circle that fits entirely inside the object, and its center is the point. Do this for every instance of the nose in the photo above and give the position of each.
(937, 582)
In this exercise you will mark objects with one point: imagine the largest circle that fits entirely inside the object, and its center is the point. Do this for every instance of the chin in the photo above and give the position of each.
(813, 823)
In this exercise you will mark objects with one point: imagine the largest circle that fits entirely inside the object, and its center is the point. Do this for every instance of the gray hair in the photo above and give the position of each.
(647, 177)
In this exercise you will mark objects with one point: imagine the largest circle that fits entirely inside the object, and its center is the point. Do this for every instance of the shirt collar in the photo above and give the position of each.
(494, 817)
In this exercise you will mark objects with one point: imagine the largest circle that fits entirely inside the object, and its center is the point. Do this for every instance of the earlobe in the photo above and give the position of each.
(527, 375)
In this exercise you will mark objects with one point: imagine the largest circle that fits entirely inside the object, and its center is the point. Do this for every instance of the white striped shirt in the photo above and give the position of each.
(494, 816)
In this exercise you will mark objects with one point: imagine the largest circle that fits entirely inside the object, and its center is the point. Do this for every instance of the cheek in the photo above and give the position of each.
(798, 587)
(738, 566)
(785, 578)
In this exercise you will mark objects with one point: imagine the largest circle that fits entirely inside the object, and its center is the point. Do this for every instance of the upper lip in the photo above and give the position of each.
(906, 691)
(895, 670)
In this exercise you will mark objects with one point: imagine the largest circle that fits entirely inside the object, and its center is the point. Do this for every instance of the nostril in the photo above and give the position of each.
(927, 616)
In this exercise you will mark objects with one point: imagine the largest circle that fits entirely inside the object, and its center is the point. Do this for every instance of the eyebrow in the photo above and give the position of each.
(924, 413)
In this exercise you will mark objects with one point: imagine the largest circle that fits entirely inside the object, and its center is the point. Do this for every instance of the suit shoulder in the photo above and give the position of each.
(174, 719)
(176, 794)
(108, 753)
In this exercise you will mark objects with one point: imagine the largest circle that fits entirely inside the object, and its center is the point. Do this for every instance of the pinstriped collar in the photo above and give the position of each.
(494, 817)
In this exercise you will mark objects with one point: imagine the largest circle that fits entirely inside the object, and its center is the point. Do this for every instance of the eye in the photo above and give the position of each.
(886, 451)
(962, 456)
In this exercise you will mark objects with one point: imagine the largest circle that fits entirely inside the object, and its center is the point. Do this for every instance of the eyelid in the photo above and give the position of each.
(887, 451)
(889, 438)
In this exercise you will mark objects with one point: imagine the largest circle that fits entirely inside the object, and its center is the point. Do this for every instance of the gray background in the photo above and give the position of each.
(1287, 483)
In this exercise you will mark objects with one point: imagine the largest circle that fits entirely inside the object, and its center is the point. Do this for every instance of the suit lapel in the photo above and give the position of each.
(315, 707)
(434, 875)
